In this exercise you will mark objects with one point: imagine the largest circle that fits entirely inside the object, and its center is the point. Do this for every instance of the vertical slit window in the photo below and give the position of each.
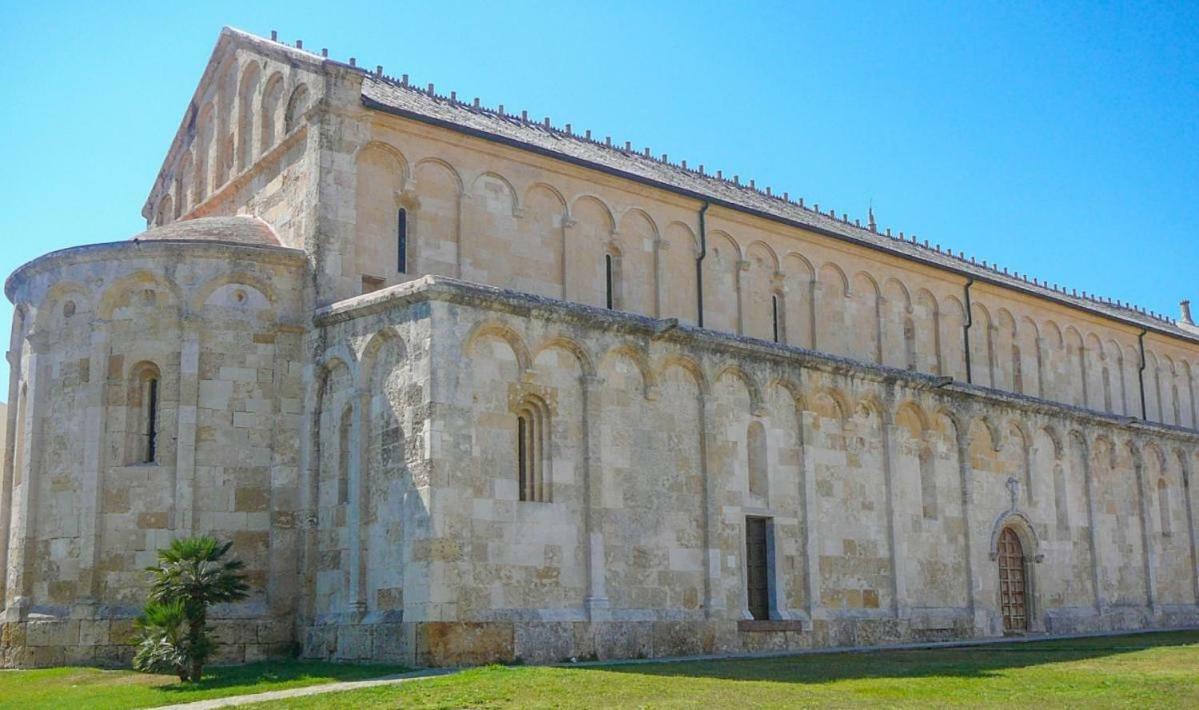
(402, 240)
(608, 279)
(522, 456)
(151, 420)
(774, 317)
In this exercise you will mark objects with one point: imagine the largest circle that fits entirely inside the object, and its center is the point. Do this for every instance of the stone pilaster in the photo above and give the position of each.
(596, 604)
(183, 515)
(91, 483)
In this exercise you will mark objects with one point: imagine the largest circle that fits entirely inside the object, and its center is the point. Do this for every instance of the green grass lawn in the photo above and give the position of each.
(1138, 671)
(80, 688)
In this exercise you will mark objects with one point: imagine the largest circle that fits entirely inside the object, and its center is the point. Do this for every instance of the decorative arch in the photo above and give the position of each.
(788, 385)
(756, 404)
(574, 347)
(603, 206)
(687, 364)
(370, 351)
(832, 275)
(639, 358)
(499, 330)
(1022, 525)
(113, 295)
(635, 212)
(453, 173)
(763, 247)
(841, 408)
(60, 293)
(388, 150)
(297, 104)
(542, 187)
(239, 277)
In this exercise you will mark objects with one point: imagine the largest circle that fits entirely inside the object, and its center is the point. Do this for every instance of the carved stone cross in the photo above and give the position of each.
(1013, 487)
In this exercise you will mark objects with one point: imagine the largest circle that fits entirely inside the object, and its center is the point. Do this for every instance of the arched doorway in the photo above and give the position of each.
(1013, 583)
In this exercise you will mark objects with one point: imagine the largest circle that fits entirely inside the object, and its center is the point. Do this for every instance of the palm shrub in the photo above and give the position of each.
(191, 575)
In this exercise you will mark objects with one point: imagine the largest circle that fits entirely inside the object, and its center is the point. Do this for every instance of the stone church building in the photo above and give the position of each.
(463, 385)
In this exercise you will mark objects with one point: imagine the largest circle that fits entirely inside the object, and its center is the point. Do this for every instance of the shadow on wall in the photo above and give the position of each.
(960, 662)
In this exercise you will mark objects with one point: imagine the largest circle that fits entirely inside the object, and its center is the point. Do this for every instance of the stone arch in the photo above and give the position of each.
(542, 187)
(686, 230)
(721, 294)
(831, 275)
(635, 276)
(762, 247)
(610, 219)
(449, 169)
(338, 355)
(686, 364)
(1023, 526)
(434, 219)
(865, 298)
(570, 345)
(247, 91)
(61, 293)
(1055, 438)
(389, 151)
(370, 351)
(830, 402)
(635, 212)
(272, 96)
(165, 211)
(202, 294)
(113, 294)
(182, 187)
(910, 416)
(495, 329)
(751, 385)
(297, 104)
(995, 442)
(639, 358)
(763, 308)
(788, 385)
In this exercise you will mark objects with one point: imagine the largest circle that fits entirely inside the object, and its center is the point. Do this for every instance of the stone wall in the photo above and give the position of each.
(494, 214)
(886, 490)
(87, 503)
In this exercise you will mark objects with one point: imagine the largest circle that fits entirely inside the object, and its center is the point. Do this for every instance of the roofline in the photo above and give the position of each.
(92, 252)
(978, 276)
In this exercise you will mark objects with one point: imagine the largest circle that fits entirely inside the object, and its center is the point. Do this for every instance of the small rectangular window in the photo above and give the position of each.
(402, 241)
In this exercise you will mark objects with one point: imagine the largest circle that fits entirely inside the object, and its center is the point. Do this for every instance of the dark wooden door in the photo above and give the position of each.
(756, 578)
(1013, 590)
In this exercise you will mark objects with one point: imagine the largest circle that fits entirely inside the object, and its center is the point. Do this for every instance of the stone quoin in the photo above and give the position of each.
(464, 387)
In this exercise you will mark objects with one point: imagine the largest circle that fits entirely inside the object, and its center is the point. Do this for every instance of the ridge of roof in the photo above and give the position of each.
(398, 95)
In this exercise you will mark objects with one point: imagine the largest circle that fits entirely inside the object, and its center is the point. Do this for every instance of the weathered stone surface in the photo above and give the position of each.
(349, 413)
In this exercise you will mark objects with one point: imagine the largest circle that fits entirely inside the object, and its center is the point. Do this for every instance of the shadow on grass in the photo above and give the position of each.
(268, 674)
(962, 662)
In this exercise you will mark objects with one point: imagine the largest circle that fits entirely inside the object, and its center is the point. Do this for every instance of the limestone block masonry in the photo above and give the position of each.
(466, 387)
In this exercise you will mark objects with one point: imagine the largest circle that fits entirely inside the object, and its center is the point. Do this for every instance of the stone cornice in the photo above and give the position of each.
(130, 250)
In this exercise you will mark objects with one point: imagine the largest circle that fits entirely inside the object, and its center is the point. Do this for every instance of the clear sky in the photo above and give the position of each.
(1058, 139)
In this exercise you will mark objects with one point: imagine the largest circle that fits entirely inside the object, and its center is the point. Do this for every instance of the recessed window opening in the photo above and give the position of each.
(402, 240)
(608, 280)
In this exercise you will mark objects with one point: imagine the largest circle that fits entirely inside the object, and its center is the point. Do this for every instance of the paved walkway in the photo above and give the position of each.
(235, 700)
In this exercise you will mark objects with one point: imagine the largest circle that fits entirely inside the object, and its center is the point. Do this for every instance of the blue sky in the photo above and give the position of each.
(1058, 139)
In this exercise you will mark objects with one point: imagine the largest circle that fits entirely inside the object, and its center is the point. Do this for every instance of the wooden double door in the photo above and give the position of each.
(1013, 583)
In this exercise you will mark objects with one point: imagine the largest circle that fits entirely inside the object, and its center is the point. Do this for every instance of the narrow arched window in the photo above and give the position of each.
(532, 417)
(774, 316)
(402, 240)
(343, 455)
(1163, 503)
(143, 425)
(759, 477)
(151, 420)
(928, 483)
(608, 285)
(1017, 370)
